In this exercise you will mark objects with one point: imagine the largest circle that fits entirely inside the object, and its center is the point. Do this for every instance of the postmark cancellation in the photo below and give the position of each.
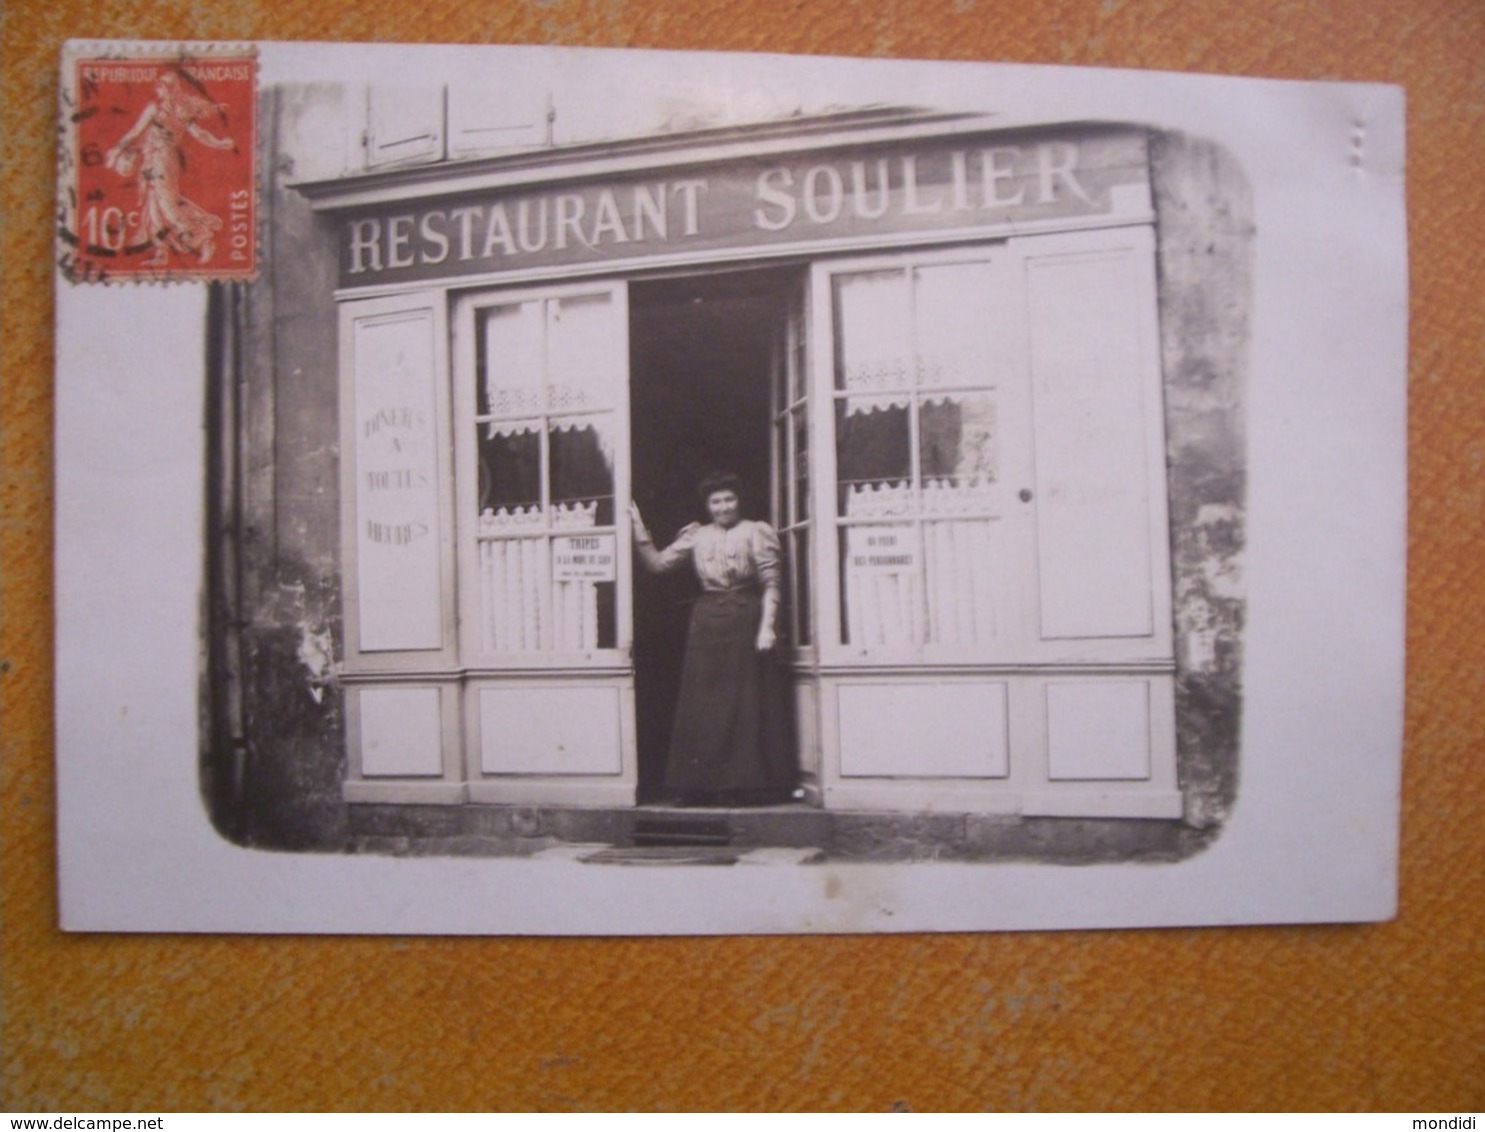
(158, 176)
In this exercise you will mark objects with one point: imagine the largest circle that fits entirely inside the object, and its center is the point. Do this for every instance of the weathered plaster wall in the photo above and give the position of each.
(288, 508)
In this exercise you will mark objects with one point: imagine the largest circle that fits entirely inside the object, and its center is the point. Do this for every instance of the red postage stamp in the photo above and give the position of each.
(159, 167)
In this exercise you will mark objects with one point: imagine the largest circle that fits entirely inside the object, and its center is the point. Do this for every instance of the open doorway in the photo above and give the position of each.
(703, 351)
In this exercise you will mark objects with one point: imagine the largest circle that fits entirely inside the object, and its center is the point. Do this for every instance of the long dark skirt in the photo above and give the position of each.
(733, 741)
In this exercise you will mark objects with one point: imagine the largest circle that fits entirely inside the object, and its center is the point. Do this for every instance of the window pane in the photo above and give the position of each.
(583, 352)
(964, 565)
(529, 604)
(510, 360)
(778, 503)
(798, 362)
(510, 475)
(952, 316)
(873, 457)
(799, 565)
(958, 447)
(778, 368)
(582, 613)
(919, 359)
(582, 455)
(801, 467)
(547, 372)
(880, 587)
(511, 586)
(873, 338)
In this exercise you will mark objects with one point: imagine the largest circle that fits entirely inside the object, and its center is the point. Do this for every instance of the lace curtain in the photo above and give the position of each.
(917, 339)
(526, 612)
(553, 355)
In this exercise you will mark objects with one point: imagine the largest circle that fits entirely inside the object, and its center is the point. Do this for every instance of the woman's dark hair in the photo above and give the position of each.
(719, 481)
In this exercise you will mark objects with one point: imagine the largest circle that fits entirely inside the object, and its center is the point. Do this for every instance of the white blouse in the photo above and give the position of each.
(741, 556)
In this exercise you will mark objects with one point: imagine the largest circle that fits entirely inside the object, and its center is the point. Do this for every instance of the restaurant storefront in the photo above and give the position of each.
(932, 350)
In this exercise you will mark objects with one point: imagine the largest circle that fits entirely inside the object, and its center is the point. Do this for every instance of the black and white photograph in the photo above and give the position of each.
(677, 493)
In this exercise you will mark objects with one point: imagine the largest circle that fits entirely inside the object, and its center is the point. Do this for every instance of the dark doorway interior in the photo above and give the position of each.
(702, 350)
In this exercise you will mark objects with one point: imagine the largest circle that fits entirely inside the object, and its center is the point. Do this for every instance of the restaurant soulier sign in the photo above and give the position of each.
(936, 189)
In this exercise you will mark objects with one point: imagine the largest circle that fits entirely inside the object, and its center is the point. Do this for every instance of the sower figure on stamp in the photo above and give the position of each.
(732, 742)
(151, 153)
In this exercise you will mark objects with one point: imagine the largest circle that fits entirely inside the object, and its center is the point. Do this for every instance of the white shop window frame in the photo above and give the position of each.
(464, 382)
(791, 399)
(1026, 648)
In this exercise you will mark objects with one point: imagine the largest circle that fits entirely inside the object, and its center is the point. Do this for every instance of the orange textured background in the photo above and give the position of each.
(1381, 1016)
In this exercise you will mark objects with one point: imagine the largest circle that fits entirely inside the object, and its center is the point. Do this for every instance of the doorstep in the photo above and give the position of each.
(800, 833)
(794, 833)
(670, 855)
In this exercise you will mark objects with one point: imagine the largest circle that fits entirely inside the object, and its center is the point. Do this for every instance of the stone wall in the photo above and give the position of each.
(1204, 214)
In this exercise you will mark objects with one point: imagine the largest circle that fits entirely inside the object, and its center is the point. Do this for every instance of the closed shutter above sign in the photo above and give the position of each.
(404, 127)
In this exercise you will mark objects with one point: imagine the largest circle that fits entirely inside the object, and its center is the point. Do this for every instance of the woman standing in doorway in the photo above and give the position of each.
(731, 744)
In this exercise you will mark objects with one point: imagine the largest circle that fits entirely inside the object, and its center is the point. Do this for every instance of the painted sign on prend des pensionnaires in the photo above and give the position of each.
(943, 188)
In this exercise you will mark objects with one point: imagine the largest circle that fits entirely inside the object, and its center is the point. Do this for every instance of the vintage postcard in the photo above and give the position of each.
(520, 490)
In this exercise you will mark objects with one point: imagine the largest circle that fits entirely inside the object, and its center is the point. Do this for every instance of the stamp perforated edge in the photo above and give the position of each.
(75, 51)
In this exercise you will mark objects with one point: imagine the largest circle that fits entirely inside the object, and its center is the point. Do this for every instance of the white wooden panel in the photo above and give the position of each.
(404, 126)
(546, 730)
(398, 533)
(807, 726)
(1098, 730)
(1092, 479)
(405, 792)
(479, 123)
(1086, 802)
(923, 730)
(401, 732)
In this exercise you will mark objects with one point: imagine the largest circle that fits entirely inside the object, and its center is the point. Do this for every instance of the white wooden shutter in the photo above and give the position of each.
(404, 126)
(480, 124)
(1098, 433)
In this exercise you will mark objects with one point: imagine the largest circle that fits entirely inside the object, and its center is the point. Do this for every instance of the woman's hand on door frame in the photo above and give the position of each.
(638, 529)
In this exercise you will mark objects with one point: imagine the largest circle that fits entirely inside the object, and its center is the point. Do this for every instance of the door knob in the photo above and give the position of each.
(1025, 494)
